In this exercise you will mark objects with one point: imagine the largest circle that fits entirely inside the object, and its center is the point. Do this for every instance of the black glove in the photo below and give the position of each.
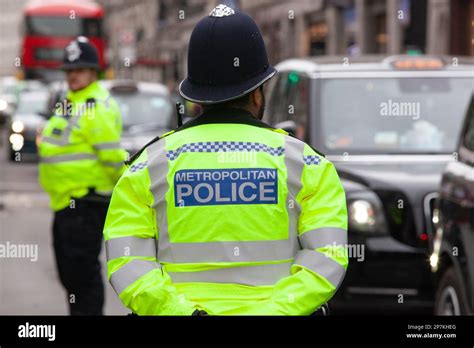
(199, 313)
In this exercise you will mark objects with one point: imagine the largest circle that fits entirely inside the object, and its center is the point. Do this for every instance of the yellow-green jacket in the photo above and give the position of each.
(228, 216)
(80, 147)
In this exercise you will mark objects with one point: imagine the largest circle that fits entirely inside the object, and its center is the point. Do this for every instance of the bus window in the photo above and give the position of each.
(53, 26)
(91, 27)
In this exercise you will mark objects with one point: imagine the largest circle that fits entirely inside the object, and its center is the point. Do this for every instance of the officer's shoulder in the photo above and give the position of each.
(135, 156)
(102, 98)
(284, 132)
(319, 153)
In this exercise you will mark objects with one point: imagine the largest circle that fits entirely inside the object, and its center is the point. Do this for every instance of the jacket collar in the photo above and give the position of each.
(225, 115)
(84, 93)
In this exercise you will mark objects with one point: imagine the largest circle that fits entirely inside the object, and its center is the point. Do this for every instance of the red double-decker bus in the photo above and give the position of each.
(49, 25)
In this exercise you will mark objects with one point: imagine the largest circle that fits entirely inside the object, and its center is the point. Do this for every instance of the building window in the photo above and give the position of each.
(381, 33)
(317, 37)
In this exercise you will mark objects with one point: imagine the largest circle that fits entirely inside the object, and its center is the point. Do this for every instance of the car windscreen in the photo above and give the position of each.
(31, 102)
(144, 109)
(393, 115)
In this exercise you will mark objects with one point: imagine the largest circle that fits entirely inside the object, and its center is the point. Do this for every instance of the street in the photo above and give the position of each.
(30, 287)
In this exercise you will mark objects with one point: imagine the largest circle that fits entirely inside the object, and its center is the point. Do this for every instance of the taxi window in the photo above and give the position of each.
(393, 115)
(290, 102)
(468, 139)
(276, 102)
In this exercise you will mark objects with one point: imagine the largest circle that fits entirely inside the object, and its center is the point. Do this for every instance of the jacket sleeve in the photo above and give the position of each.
(103, 131)
(319, 267)
(131, 235)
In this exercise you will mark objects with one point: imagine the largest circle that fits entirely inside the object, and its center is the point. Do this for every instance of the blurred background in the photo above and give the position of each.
(337, 59)
(153, 35)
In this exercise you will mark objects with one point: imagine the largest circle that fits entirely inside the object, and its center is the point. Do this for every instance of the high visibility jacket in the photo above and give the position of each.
(80, 147)
(229, 216)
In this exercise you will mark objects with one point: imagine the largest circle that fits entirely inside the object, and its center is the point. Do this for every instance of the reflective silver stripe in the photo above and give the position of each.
(115, 145)
(130, 273)
(67, 158)
(322, 237)
(113, 164)
(130, 246)
(54, 141)
(227, 251)
(64, 139)
(322, 265)
(105, 101)
(294, 164)
(245, 275)
(294, 150)
(158, 169)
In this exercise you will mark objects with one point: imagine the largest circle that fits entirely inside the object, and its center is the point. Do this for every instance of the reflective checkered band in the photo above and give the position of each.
(138, 166)
(224, 146)
(311, 159)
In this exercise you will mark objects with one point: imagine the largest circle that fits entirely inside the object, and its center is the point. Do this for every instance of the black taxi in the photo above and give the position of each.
(390, 125)
(452, 260)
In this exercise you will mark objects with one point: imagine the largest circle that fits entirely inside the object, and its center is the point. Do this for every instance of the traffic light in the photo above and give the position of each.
(293, 77)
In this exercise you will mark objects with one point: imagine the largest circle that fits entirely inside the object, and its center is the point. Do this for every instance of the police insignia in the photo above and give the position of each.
(226, 186)
(73, 51)
(221, 11)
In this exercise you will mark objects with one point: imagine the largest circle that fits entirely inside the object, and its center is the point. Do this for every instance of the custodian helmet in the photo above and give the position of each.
(226, 59)
(80, 53)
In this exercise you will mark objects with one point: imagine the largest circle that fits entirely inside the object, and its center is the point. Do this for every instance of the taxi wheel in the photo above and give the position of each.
(450, 297)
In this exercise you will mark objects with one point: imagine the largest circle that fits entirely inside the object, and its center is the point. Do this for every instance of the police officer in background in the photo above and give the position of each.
(80, 162)
(227, 215)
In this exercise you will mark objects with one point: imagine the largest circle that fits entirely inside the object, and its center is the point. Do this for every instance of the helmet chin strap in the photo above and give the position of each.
(261, 111)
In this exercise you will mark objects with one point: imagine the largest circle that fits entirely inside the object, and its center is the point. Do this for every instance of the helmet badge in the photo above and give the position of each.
(221, 11)
(73, 51)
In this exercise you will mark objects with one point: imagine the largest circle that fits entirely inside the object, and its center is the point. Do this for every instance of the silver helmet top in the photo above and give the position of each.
(221, 11)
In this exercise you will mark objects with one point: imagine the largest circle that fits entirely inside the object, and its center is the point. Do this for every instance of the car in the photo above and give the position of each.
(147, 111)
(8, 91)
(452, 260)
(389, 124)
(24, 123)
(10, 87)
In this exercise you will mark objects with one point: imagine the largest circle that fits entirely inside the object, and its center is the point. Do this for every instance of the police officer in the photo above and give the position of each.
(227, 215)
(80, 162)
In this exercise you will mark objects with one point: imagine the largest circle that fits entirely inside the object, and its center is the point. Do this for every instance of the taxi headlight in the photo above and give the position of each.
(366, 214)
(17, 141)
(18, 126)
(3, 105)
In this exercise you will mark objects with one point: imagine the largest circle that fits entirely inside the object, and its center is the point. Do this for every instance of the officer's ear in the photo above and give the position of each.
(93, 73)
(256, 98)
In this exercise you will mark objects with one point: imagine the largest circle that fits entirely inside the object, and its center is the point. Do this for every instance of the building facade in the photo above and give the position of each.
(160, 30)
(10, 33)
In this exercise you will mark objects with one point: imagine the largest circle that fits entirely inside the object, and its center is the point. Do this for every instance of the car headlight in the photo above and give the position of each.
(17, 141)
(3, 105)
(18, 126)
(366, 213)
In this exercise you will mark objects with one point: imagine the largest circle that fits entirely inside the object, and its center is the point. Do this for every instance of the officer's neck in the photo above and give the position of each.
(222, 110)
(84, 91)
